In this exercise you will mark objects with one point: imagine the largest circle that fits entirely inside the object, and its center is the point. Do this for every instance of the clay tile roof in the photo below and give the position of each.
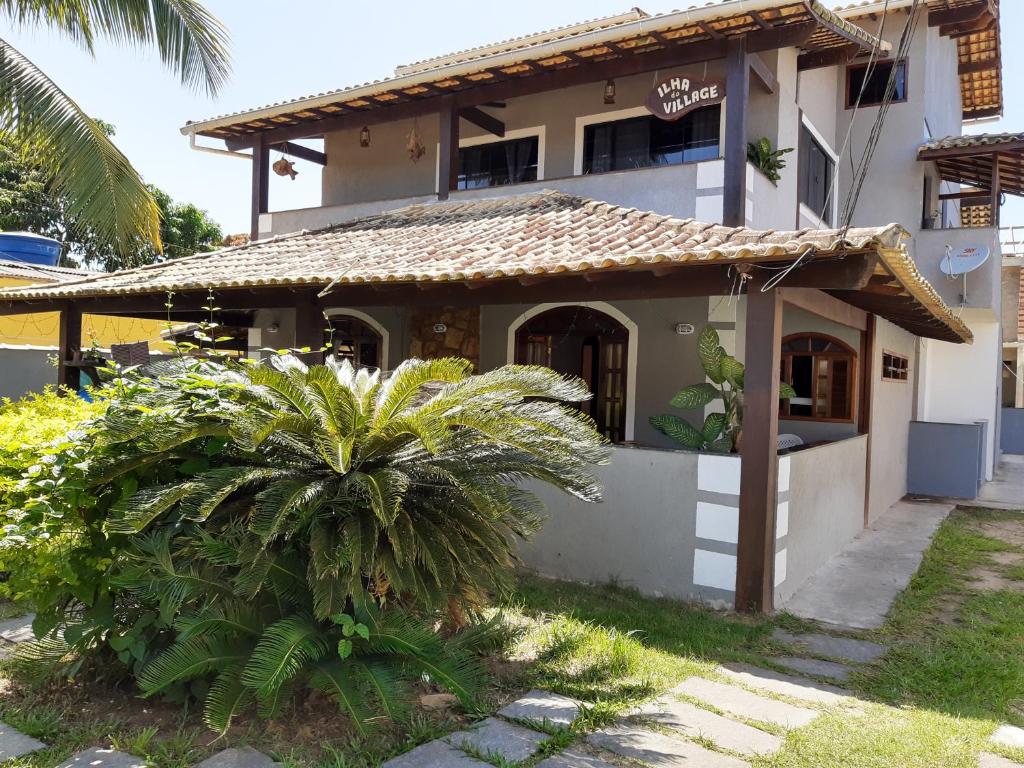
(39, 273)
(981, 140)
(544, 233)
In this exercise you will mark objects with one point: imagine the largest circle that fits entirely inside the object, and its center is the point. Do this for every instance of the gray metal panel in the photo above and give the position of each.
(1011, 438)
(945, 459)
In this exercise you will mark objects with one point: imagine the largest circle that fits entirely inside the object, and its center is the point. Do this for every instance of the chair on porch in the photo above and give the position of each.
(789, 442)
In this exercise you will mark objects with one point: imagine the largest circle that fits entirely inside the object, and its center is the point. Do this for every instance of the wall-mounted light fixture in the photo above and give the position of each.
(273, 328)
(364, 137)
(684, 329)
(440, 328)
(609, 91)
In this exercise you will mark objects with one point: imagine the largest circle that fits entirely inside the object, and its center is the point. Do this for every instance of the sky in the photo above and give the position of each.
(285, 50)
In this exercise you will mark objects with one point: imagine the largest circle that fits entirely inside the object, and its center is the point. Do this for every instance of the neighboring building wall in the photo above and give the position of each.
(26, 369)
(821, 517)
(892, 410)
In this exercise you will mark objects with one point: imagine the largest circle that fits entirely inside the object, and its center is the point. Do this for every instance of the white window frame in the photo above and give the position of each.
(539, 131)
(624, 114)
(806, 212)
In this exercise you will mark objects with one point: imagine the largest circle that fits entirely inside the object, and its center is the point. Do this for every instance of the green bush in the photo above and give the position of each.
(32, 431)
(243, 531)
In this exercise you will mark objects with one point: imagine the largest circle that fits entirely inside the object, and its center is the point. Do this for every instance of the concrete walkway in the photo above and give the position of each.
(857, 587)
(1006, 490)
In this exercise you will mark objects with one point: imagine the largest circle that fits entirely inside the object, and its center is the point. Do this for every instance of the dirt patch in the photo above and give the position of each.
(1008, 531)
(1008, 558)
(989, 580)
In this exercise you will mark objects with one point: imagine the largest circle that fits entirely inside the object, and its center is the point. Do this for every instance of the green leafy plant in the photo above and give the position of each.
(767, 160)
(721, 430)
(246, 531)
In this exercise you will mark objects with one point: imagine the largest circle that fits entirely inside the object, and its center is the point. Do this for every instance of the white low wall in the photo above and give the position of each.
(824, 508)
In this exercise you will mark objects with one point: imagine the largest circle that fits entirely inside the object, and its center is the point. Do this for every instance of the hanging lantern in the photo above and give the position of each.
(609, 91)
(364, 137)
(414, 144)
(284, 167)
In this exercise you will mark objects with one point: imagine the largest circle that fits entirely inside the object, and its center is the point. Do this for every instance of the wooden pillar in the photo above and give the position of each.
(448, 165)
(309, 328)
(260, 183)
(755, 552)
(69, 346)
(996, 190)
(737, 90)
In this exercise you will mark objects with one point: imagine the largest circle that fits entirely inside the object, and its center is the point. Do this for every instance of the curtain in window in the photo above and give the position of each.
(517, 159)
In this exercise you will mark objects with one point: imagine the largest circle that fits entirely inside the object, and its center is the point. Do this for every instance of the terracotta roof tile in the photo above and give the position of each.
(535, 234)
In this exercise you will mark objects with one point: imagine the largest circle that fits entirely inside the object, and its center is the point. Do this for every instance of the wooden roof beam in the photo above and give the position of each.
(841, 54)
(961, 15)
(481, 119)
(301, 152)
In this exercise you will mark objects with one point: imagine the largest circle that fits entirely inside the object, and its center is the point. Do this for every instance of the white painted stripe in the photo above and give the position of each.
(780, 567)
(782, 519)
(718, 474)
(713, 569)
(784, 462)
(718, 522)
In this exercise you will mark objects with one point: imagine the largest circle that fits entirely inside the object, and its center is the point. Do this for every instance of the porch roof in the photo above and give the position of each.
(530, 237)
(810, 26)
(40, 273)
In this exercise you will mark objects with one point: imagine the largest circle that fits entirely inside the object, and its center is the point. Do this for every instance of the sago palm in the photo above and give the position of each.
(314, 525)
(97, 181)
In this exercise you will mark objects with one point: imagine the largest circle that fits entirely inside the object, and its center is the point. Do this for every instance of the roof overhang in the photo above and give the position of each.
(617, 46)
(527, 248)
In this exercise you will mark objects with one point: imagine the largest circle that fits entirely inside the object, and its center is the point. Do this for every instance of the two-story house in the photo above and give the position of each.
(583, 198)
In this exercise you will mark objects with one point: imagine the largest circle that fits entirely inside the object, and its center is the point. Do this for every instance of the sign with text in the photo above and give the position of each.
(674, 97)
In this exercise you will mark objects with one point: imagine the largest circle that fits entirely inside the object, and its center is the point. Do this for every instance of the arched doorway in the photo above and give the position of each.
(354, 339)
(585, 342)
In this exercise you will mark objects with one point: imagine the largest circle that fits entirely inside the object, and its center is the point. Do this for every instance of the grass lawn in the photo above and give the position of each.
(955, 671)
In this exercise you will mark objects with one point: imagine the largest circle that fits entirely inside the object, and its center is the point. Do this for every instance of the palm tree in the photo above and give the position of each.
(100, 185)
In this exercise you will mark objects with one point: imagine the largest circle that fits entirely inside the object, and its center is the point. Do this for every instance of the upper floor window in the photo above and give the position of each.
(817, 174)
(640, 142)
(875, 83)
(821, 370)
(498, 162)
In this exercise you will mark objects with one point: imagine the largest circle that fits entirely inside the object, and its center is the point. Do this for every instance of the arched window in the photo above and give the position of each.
(822, 370)
(352, 339)
(583, 342)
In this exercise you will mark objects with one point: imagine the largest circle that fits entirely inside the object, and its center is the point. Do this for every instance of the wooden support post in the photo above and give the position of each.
(260, 183)
(448, 165)
(996, 190)
(737, 90)
(69, 346)
(309, 327)
(755, 552)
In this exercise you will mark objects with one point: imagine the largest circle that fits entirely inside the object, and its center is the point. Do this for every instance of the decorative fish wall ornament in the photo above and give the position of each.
(414, 145)
(285, 167)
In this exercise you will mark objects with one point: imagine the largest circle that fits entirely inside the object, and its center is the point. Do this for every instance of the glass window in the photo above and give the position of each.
(821, 370)
(498, 163)
(640, 142)
(817, 171)
(877, 83)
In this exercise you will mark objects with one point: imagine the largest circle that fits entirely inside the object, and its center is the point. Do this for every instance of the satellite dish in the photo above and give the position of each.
(963, 260)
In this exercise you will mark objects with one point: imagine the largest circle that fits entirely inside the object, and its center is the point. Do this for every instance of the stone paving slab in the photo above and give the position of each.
(238, 757)
(435, 754)
(842, 648)
(786, 685)
(572, 758)
(103, 758)
(17, 630)
(542, 707)
(815, 667)
(659, 751)
(14, 743)
(697, 722)
(1009, 736)
(988, 760)
(745, 704)
(496, 737)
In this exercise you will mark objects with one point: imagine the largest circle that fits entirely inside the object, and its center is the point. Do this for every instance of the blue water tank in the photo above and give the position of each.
(30, 248)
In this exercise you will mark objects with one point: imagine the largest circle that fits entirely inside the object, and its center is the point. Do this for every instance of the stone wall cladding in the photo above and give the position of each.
(461, 339)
